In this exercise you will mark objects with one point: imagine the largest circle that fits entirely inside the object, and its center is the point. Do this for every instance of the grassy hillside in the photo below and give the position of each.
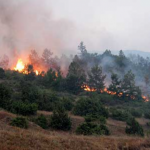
(35, 138)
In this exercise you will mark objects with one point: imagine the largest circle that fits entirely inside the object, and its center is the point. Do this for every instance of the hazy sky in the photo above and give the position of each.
(108, 24)
(61, 25)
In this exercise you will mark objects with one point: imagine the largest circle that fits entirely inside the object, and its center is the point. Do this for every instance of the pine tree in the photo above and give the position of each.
(96, 78)
(129, 88)
(60, 119)
(115, 86)
(75, 78)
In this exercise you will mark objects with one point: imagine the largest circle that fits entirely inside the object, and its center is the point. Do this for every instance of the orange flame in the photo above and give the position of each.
(20, 66)
(105, 90)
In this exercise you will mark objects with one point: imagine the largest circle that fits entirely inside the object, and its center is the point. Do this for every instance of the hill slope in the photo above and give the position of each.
(35, 138)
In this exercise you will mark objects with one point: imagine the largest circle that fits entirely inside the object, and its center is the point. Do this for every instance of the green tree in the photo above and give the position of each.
(60, 119)
(25, 109)
(89, 128)
(19, 122)
(121, 60)
(82, 49)
(107, 53)
(134, 128)
(2, 73)
(29, 92)
(96, 78)
(129, 88)
(29, 73)
(115, 86)
(87, 106)
(50, 78)
(5, 96)
(42, 121)
(75, 78)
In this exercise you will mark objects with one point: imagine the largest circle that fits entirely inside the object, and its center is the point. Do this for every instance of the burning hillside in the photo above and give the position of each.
(35, 63)
(86, 72)
(113, 93)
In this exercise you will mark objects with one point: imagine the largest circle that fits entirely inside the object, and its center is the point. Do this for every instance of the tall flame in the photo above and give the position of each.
(20, 66)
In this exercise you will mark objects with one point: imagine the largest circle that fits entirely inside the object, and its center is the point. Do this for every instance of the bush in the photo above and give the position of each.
(67, 103)
(48, 100)
(107, 99)
(89, 128)
(148, 124)
(120, 115)
(134, 128)
(19, 122)
(60, 119)
(95, 118)
(29, 92)
(87, 106)
(2, 73)
(147, 115)
(24, 108)
(42, 121)
(5, 96)
(136, 113)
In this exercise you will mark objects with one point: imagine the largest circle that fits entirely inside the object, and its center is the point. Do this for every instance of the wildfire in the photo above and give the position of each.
(37, 72)
(105, 90)
(87, 88)
(145, 98)
(20, 66)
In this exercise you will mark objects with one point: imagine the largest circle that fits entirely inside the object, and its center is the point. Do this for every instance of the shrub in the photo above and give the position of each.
(2, 73)
(107, 99)
(134, 128)
(24, 108)
(67, 103)
(148, 124)
(136, 113)
(29, 92)
(19, 122)
(120, 115)
(48, 100)
(88, 128)
(147, 115)
(42, 121)
(87, 106)
(5, 96)
(60, 119)
(96, 118)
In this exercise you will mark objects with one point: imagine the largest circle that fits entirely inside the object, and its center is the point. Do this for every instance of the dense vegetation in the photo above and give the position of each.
(24, 94)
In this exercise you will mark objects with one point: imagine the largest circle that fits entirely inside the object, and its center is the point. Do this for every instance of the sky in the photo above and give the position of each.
(60, 25)
(109, 24)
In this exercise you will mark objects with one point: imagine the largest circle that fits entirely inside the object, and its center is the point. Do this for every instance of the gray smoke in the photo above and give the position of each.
(29, 24)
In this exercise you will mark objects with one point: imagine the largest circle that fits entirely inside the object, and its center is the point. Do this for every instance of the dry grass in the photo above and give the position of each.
(19, 139)
(35, 138)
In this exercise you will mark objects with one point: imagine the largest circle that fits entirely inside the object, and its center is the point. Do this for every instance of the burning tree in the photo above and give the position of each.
(47, 59)
(34, 59)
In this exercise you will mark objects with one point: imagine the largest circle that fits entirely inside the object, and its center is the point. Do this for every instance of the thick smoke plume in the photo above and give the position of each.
(29, 24)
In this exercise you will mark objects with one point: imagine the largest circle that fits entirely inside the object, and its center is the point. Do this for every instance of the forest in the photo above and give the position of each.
(94, 86)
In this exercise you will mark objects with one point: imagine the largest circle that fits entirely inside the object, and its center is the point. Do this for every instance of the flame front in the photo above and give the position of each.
(20, 66)
(105, 90)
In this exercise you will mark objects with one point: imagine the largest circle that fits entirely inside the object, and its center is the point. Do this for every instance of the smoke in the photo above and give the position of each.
(29, 24)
